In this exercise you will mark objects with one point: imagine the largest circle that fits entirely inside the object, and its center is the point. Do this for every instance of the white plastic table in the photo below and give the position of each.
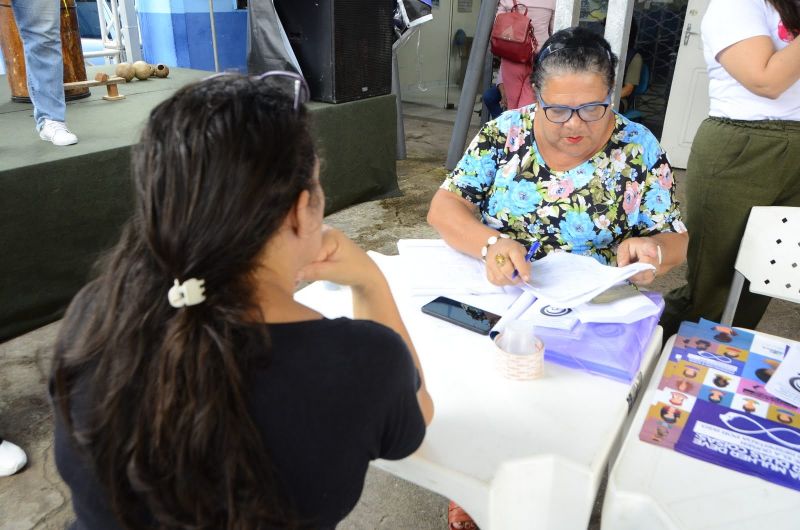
(655, 488)
(513, 454)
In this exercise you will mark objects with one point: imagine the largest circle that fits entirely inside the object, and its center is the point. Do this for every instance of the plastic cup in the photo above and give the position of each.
(518, 353)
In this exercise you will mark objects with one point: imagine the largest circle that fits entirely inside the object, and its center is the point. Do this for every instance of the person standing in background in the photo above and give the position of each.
(39, 23)
(514, 79)
(633, 68)
(745, 154)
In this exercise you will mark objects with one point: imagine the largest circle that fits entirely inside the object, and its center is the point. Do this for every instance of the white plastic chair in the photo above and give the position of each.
(658, 489)
(769, 257)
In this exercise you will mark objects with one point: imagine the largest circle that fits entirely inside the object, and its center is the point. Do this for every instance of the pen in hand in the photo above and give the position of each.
(531, 251)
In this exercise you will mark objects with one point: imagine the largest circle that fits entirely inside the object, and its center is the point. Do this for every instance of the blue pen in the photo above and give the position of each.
(531, 251)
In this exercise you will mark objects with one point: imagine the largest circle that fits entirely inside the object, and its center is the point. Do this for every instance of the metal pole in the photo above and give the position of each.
(475, 64)
(567, 14)
(130, 30)
(618, 25)
(487, 82)
(213, 34)
(447, 103)
(400, 153)
(396, 90)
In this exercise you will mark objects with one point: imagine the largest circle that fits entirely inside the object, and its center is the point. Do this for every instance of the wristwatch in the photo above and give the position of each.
(491, 241)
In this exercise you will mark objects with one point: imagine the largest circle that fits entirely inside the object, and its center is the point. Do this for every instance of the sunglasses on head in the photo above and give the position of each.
(298, 84)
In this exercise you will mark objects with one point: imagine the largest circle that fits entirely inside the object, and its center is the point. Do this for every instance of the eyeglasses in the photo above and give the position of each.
(588, 112)
(299, 85)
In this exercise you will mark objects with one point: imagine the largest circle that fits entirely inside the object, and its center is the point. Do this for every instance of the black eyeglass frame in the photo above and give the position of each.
(301, 91)
(545, 107)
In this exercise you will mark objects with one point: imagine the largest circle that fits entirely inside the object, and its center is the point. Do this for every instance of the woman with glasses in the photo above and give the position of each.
(567, 172)
(190, 389)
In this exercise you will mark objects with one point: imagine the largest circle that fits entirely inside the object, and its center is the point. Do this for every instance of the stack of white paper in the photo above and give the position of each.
(431, 266)
(568, 280)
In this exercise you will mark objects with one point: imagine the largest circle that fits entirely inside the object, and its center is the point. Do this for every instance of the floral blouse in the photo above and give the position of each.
(624, 190)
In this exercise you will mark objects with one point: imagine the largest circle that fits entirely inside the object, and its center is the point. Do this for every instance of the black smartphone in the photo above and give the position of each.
(461, 314)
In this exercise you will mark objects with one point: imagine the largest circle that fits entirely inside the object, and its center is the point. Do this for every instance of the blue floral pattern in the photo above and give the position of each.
(624, 190)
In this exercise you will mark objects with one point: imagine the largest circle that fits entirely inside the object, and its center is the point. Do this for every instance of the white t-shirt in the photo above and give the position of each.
(730, 21)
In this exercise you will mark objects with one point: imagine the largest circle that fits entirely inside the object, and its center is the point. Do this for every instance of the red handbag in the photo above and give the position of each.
(512, 35)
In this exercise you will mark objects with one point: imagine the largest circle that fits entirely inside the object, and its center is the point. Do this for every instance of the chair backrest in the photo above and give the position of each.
(644, 81)
(769, 257)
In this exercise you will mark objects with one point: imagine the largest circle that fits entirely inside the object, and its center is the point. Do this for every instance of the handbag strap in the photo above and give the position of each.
(516, 5)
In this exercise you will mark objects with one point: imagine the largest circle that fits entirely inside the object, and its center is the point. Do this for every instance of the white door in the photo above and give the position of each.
(688, 97)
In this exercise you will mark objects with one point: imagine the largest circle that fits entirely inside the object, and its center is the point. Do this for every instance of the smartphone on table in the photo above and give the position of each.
(461, 314)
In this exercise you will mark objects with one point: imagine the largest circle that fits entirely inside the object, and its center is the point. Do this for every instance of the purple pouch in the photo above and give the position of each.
(610, 350)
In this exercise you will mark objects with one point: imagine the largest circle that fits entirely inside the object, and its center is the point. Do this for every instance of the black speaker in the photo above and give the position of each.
(343, 46)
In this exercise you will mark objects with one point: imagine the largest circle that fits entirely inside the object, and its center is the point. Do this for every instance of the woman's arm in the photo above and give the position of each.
(627, 90)
(344, 262)
(373, 300)
(759, 68)
(456, 221)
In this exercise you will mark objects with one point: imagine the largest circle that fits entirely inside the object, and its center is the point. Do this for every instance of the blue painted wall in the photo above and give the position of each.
(178, 32)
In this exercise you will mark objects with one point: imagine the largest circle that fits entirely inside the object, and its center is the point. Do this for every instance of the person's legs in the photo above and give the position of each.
(39, 25)
(491, 98)
(731, 169)
(790, 196)
(517, 82)
(12, 458)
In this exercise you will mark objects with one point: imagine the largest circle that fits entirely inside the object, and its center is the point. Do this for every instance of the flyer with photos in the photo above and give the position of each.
(712, 404)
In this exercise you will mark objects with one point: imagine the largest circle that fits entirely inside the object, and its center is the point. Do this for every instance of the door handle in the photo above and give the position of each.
(688, 34)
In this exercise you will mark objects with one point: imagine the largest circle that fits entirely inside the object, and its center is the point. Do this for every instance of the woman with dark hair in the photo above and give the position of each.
(190, 389)
(566, 172)
(745, 154)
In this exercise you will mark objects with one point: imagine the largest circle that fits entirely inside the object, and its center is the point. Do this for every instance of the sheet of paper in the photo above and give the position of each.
(785, 382)
(568, 280)
(433, 267)
(622, 310)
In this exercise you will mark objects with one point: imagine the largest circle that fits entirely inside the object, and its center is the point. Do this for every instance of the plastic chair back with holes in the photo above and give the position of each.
(769, 257)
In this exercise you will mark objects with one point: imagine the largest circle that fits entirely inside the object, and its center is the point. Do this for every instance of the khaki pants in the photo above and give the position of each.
(733, 166)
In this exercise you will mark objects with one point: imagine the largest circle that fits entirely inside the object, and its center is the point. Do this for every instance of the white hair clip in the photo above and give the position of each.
(190, 292)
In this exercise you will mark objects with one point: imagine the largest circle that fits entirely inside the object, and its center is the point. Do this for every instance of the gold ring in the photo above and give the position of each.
(500, 260)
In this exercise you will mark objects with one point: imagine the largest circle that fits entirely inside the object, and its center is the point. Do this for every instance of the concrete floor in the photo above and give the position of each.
(36, 498)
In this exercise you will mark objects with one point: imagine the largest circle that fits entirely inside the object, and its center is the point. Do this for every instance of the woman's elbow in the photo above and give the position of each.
(766, 90)
(434, 216)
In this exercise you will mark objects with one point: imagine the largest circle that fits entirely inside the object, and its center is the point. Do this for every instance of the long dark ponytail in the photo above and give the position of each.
(218, 168)
(789, 10)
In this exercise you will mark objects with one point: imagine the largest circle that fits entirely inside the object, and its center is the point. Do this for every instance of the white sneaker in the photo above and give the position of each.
(12, 458)
(57, 132)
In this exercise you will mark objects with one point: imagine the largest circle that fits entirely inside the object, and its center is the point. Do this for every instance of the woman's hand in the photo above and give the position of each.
(341, 261)
(503, 258)
(639, 250)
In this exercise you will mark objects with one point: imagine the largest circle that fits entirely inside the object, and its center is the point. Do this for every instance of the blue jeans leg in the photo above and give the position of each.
(39, 23)
(491, 98)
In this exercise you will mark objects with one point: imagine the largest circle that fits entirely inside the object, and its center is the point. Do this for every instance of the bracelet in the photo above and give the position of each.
(491, 241)
(660, 257)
